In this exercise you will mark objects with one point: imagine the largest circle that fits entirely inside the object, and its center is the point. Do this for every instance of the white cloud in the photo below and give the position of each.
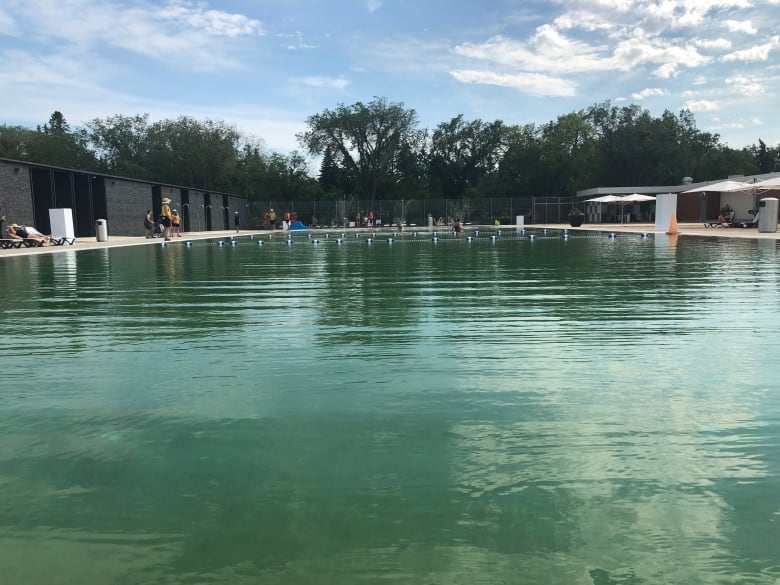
(323, 82)
(531, 83)
(547, 51)
(745, 85)
(668, 56)
(757, 53)
(211, 22)
(179, 33)
(719, 44)
(373, 5)
(743, 26)
(648, 92)
(702, 106)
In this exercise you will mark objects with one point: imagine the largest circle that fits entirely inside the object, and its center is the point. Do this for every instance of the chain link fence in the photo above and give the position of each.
(352, 211)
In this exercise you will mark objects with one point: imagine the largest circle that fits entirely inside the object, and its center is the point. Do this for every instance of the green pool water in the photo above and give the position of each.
(590, 411)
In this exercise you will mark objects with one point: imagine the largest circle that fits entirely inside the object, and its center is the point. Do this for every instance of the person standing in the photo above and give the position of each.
(149, 224)
(176, 223)
(165, 214)
(272, 218)
(237, 221)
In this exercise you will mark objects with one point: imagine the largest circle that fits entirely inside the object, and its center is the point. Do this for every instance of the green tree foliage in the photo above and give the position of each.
(567, 151)
(52, 144)
(15, 142)
(463, 153)
(521, 170)
(121, 144)
(767, 160)
(364, 139)
(376, 150)
(186, 151)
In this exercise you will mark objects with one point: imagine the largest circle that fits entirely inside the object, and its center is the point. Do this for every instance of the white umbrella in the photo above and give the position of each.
(722, 186)
(636, 197)
(606, 199)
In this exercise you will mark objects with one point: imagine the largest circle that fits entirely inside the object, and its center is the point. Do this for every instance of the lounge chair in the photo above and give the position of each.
(6, 243)
(19, 242)
(746, 223)
(713, 224)
(62, 241)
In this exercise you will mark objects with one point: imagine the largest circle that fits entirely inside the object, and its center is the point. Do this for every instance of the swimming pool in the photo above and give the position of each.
(589, 410)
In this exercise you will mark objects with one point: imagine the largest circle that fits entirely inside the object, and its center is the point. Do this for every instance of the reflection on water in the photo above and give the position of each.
(588, 410)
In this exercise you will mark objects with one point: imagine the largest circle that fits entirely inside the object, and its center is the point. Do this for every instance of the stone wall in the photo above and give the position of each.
(127, 202)
(15, 194)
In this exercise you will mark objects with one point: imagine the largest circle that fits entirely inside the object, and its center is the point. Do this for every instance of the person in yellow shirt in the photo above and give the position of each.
(176, 224)
(165, 213)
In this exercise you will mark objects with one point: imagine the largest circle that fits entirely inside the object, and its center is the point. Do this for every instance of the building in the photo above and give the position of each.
(691, 207)
(29, 190)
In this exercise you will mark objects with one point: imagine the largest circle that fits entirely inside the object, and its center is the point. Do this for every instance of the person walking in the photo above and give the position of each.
(149, 224)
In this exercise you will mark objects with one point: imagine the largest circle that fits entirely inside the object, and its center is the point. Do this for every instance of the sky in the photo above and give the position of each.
(265, 66)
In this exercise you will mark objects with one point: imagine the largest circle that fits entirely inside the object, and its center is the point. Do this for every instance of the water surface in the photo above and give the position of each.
(586, 411)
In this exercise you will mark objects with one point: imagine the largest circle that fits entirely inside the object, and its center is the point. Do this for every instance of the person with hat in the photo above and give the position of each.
(165, 214)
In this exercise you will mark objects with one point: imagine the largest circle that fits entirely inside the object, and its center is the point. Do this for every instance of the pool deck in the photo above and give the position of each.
(685, 229)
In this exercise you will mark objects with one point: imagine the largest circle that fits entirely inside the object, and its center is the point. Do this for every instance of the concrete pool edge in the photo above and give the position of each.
(686, 229)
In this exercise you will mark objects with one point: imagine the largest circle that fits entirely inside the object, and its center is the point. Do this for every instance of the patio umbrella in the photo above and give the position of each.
(606, 199)
(633, 198)
(636, 197)
(722, 186)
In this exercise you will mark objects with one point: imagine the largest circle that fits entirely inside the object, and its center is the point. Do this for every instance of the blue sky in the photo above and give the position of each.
(266, 65)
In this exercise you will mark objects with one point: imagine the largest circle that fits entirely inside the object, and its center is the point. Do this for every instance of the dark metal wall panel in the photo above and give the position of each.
(63, 189)
(83, 220)
(42, 198)
(186, 223)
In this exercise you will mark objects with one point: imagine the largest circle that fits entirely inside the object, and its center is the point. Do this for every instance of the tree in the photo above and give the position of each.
(522, 169)
(462, 153)
(121, 144)
(766, 159)
(567, 153)
(363, 138)
(57, 125)
(186, 151)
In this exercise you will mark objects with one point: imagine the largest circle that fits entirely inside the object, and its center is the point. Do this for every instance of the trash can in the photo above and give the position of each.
(767, 215)
(101, 230)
